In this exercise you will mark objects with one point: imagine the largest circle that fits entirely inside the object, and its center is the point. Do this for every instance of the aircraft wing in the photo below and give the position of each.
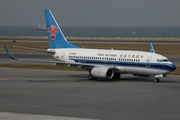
(35, 49)
(58, 63)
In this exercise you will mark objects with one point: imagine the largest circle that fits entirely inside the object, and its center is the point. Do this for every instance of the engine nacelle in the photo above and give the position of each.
(103, 72)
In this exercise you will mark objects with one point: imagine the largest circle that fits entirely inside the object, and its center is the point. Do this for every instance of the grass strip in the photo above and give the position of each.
(52, 67)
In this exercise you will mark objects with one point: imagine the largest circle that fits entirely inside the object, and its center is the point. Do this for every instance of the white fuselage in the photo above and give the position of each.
(132, 62)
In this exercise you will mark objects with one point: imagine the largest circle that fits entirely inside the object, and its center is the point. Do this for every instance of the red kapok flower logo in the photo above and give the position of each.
(53, 29)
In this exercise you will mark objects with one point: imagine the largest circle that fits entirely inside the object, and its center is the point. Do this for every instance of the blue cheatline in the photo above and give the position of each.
(56, 37)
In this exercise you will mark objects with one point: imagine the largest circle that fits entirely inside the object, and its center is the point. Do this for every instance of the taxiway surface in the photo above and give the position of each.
(71, 94)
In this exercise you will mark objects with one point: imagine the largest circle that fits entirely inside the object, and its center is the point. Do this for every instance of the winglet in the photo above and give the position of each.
(9, 53)
(151, 48)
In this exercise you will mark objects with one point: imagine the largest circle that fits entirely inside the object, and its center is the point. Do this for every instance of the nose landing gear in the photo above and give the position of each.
(157, 78)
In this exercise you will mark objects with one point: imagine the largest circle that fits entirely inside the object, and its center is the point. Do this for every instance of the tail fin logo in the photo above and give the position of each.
(53, 29)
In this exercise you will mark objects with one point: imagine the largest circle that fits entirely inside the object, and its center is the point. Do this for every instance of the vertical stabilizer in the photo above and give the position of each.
(56, 37)
(151, 47)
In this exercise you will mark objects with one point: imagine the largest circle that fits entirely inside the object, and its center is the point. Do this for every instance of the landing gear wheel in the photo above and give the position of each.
(116, 77)
(157, 80)
(90, 77)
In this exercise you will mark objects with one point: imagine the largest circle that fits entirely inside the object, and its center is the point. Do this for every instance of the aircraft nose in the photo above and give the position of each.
(170, 67)
(173, 67)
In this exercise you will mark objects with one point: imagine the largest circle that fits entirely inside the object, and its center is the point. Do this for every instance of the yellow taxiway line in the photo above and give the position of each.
(3, 78)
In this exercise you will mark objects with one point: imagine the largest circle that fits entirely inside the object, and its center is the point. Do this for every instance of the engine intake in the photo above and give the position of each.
(103, 72)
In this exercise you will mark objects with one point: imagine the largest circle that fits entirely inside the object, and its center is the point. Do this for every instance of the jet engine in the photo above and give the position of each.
(103, 72)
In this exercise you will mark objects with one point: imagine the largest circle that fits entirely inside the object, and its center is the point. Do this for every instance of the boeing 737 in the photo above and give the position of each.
(99, 62)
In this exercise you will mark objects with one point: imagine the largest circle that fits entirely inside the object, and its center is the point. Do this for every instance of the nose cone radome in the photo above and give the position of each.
(172, 67)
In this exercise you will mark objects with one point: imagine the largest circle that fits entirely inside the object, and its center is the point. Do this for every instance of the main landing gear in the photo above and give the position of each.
(157, 80)
(116, 76)
(90, 77)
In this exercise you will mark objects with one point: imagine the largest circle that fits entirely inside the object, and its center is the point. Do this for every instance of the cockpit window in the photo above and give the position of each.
(165, 60)
(162, 60)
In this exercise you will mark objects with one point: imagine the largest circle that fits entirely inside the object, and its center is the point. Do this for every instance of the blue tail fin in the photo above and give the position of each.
(56, 37)
(151, 48)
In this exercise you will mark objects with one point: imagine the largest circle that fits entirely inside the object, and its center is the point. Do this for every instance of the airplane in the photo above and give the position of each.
(101, 63)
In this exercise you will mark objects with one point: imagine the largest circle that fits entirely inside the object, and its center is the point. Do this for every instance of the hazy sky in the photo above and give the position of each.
(91, 12)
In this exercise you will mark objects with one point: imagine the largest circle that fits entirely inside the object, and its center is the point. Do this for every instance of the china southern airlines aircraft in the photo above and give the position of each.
(101, 63)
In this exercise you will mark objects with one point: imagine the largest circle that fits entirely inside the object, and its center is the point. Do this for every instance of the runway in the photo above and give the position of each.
(71, 94)
(5, 60)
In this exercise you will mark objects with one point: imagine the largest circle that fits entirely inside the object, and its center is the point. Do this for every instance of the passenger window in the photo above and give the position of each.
(129, 56)
(124, 56)
(137, 56)
(133, 56)
(121, 55)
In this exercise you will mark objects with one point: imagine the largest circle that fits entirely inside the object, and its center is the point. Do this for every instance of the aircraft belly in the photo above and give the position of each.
(133, 70)
(142, 71)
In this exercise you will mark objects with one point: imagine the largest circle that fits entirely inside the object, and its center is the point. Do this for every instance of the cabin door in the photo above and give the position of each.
(148, 61)
(63, 57)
